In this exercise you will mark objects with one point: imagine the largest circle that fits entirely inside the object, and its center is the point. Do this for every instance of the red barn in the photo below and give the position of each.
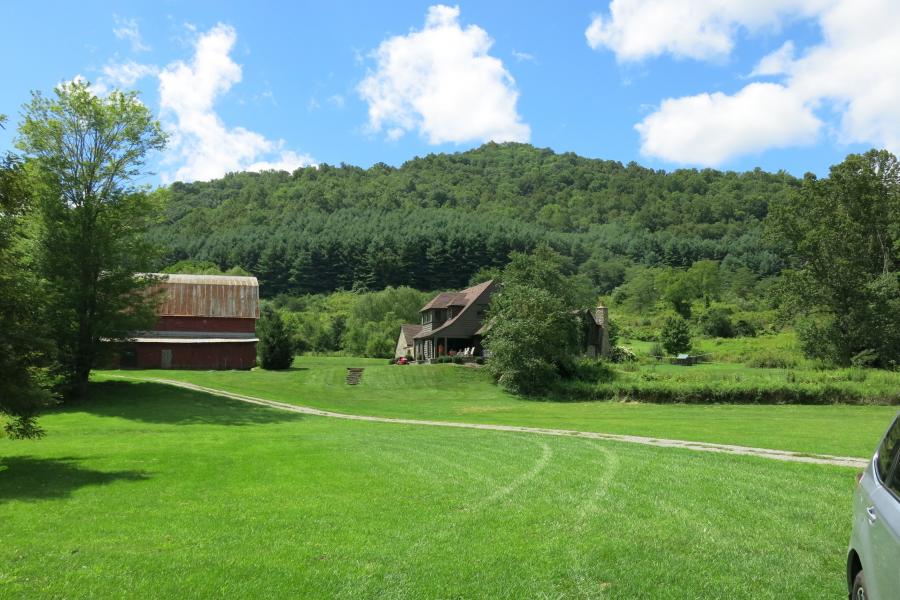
(205, 322)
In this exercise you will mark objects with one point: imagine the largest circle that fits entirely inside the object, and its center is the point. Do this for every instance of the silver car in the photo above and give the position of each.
(873, 560)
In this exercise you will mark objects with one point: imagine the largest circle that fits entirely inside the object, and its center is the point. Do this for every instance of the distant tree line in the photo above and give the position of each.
(434, 221)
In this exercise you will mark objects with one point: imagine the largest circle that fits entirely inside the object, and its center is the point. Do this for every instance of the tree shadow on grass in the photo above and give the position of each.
(29, 478)
(159, 403)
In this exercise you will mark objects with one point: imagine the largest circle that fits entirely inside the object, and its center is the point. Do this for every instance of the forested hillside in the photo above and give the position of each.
(435, 221)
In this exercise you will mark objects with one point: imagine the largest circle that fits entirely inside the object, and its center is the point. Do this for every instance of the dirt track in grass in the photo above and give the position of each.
(821, 459)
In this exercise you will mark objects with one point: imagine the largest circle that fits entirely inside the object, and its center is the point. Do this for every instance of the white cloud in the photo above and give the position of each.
(337, 100)
(127, 29)
(442, 82)
(698, 29)
(203, 145)
(775, 63)
(523, 56)
(710, 129)
(850, 76)
(855, 70)
(127, 74)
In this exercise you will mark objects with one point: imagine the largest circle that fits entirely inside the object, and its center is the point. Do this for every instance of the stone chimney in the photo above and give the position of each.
(601, 316)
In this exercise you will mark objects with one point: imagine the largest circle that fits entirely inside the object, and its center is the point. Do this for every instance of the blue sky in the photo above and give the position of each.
(780, 84)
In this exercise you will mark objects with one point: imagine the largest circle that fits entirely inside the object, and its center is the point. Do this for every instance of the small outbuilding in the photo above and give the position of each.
(205, 322)
(406, 341)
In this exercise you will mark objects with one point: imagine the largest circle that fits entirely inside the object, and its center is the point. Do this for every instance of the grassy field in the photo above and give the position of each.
(455, 393)
(710, 383)
(152, 491)
(738, 350)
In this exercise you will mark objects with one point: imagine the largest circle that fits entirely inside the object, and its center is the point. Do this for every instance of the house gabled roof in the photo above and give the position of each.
(466, 298)
(461, 298)
(445, 299)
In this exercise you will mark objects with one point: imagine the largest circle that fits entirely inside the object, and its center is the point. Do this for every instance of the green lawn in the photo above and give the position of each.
(151, 491)
(455, 393)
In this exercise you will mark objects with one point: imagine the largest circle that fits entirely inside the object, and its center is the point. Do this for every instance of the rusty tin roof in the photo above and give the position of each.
(209, 296)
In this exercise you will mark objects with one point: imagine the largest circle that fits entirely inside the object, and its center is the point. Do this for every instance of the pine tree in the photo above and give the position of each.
(275, 348)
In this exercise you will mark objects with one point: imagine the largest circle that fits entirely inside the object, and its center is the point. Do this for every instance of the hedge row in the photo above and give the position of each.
(750, 394)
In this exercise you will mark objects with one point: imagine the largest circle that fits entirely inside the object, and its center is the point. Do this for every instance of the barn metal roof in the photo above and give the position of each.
(208, 296)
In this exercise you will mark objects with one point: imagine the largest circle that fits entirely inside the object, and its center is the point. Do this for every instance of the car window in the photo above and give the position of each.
(887, 450)
(894, 484)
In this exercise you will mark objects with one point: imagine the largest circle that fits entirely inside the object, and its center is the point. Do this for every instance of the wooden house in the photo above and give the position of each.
(454, 322)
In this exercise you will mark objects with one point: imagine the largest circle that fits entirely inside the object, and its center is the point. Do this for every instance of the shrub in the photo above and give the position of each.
(744, 328)
(621, 354)
(714, 322)
(772, 360)
(657, 351)
(589, 369)
(675, 335)
(275, 348)
(479, 360)
(865, 358)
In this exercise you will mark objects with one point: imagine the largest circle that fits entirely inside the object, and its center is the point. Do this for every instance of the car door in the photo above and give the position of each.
(883, 515)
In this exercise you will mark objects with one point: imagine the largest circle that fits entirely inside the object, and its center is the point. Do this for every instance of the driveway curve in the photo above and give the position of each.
(783, 455)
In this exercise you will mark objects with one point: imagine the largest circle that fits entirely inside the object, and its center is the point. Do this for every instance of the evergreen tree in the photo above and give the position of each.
(275, 347)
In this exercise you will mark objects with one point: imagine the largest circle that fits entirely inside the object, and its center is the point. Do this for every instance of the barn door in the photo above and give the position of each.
(166, 359)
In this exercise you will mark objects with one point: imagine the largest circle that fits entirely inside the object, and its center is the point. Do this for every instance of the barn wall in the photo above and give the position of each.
(211, 324)
(216, 356)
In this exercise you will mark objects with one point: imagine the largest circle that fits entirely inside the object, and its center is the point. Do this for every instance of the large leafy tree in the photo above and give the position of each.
(843, 234)
(88, 152)
(534, 330)
(25, 350)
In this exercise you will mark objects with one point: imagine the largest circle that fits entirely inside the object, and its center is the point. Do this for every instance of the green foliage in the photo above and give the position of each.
(716, 322)
(436, 221)
(356, 323)
(621, 354)
(204, 267)
(534, 335)
(86, 153)
(641, 290)
(274, 347)
(593, 370)
(675, 335)
(679, 293)
(842, 235)
(26, 352)
(772, 360)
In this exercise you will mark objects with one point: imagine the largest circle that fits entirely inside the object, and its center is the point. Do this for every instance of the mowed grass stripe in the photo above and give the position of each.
(155, 491)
